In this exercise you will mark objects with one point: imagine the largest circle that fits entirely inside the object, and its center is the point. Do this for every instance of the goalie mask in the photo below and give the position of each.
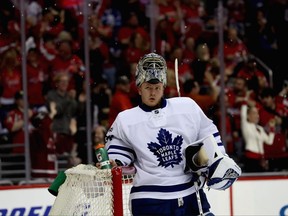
(151, 68)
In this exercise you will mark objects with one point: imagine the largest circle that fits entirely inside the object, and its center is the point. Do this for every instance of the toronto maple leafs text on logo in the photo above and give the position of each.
(167, 151)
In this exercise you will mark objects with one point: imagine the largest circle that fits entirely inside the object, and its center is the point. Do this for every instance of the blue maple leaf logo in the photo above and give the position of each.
(168, 151)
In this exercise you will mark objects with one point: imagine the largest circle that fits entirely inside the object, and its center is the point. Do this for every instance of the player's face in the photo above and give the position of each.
(151, 94)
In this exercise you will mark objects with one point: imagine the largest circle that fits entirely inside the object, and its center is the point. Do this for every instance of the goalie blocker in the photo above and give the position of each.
(205, 158)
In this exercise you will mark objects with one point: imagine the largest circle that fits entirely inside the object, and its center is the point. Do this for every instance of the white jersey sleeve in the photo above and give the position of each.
(120, 148)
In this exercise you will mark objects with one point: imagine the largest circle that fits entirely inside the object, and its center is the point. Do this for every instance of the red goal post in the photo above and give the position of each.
(88, 190)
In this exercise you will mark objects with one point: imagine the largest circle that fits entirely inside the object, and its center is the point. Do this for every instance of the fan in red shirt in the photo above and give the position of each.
(234, 47)
(167, 9)
(120, 99)
(169, 27)
(14, 122)
(184, 69)
(189, 50)
(236, 95)
(250, 70)
(272, 109)
(10, 77)
(234, 50)
(131, 26)
(42, 145)
(193, 12)
(37, 75)
(138, 47)
(68, 63)
(205, 101)
(50, 23)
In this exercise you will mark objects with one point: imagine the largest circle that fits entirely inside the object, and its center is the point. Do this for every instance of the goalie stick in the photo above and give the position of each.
(176, 77)
(195, 182)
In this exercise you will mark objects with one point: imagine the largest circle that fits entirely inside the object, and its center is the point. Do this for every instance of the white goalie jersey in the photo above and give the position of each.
(154, 141)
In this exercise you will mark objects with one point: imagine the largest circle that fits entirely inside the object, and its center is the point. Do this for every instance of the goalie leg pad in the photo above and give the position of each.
(223, 173)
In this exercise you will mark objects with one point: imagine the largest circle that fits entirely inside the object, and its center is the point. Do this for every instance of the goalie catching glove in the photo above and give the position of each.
(205, 158)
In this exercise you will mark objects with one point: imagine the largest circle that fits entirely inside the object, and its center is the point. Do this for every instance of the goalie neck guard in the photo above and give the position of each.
(151, 68)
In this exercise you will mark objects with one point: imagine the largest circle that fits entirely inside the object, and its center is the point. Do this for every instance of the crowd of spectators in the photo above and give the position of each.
(119, 34)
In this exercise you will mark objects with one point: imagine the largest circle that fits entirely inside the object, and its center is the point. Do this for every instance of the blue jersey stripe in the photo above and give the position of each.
(124, 155)
(217, 134)
(220, 144)
(158, 188)
(122, 148)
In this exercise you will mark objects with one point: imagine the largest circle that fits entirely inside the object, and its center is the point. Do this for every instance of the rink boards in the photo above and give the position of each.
(265, 195)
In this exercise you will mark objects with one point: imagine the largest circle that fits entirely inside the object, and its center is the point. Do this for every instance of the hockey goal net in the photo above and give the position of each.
(88, 190)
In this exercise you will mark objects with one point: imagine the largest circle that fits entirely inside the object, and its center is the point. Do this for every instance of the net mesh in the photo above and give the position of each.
(89, 191)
